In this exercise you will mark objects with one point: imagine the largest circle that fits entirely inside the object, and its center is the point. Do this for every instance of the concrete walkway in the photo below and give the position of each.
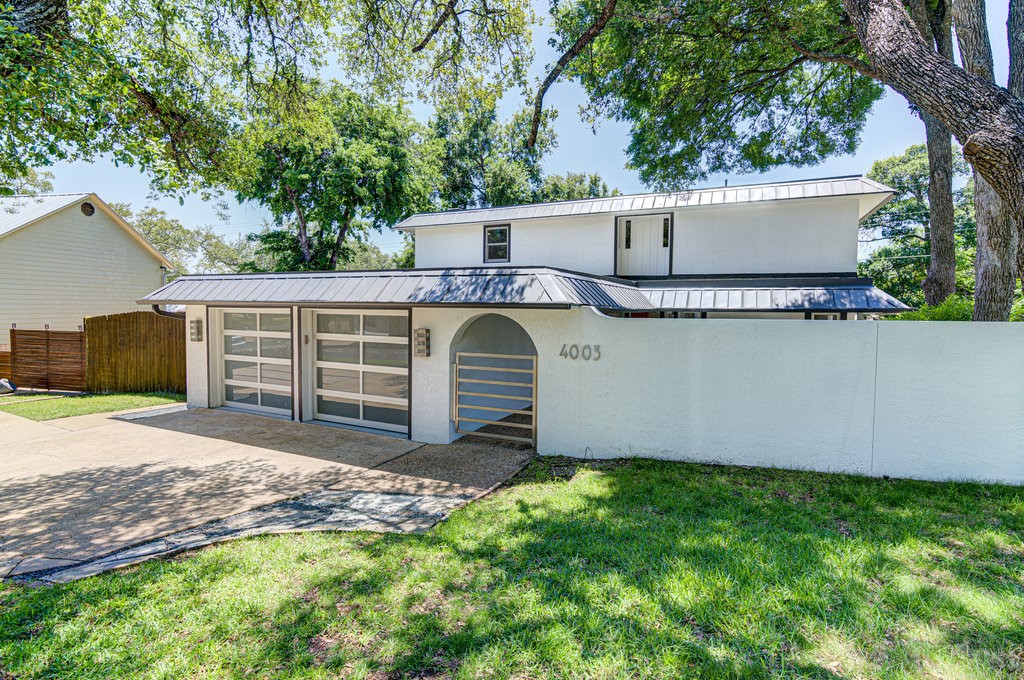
(80, 493)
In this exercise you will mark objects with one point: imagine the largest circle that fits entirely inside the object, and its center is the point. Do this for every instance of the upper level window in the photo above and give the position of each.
(496, 243)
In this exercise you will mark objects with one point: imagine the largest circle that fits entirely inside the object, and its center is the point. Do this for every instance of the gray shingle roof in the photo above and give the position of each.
(837, 186)
(527, 286)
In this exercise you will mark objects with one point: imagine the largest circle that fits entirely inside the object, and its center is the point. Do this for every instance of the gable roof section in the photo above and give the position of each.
(18, 212)
(873, 196)
(523, 287)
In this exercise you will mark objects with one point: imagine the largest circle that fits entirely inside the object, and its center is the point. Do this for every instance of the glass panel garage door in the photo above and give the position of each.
(257, 351)
(361, 366)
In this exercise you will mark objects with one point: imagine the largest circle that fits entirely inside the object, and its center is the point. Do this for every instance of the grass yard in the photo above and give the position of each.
(630, 569)
(48, 407)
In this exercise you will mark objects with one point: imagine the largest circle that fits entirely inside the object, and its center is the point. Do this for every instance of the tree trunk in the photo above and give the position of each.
(941, 280)
(933, 23)
(985, 118)
(339, 242)
(995, 263)
(1015, 33)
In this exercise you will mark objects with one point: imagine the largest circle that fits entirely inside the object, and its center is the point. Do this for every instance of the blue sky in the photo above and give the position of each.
(890, 129)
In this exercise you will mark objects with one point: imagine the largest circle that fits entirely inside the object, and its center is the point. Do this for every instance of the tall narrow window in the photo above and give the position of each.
(496, 244)
(629, 233)
(664, 233)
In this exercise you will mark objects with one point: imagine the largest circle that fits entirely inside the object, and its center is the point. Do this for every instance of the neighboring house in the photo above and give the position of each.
(64, 257)
(593, 328)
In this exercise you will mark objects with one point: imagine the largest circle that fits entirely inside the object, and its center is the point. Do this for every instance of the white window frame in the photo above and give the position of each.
(361, 368)
(223, 381)
(507, 242)
(825, 316)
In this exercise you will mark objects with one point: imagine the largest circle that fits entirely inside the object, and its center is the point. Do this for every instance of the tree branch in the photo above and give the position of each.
(449, 9)
(594, 30)
(858, 65)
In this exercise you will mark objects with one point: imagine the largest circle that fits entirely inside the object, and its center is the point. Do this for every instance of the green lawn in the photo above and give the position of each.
(637, 569)
(45, 407)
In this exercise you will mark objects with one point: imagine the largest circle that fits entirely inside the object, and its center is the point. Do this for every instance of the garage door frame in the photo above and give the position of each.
(311, 362)
(219, 383)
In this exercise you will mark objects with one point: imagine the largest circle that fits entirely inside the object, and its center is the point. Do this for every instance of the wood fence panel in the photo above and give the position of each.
(135, 352)
(48, 360)
(5, 361)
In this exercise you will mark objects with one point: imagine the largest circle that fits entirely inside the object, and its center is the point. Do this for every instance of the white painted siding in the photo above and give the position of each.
(69, 266)
(794, 236)
(649, 241)
(585, 244)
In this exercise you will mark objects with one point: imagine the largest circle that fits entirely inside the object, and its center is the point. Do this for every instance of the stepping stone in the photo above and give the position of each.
(381, 505)
(31, 564)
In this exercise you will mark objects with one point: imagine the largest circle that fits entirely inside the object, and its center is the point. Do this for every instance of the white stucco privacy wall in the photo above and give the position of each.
(197, 363)
(864, 397)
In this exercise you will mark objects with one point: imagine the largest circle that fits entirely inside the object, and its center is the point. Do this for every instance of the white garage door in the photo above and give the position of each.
(361, 365)
(257, 356)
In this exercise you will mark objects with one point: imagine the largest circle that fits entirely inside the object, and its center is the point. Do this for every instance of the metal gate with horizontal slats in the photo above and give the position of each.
(495, 396)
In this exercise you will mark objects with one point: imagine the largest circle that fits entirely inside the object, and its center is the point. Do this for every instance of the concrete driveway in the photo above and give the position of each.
(77, 489)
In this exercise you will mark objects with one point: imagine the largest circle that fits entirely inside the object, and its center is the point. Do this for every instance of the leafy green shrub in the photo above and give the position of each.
(953, 308)
(1017, 312)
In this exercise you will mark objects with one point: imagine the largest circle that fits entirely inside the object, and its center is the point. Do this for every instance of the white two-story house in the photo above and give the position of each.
(520, 321)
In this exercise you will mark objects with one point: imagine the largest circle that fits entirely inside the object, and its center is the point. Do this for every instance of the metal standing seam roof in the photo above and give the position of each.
(856, 297)
(515, 287)
(540, 286)
(821, 188)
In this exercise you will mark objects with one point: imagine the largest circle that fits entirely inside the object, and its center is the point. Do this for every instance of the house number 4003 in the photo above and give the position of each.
(585, 352)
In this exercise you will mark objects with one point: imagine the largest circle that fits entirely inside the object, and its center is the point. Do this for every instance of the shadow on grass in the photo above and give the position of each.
(640, 569)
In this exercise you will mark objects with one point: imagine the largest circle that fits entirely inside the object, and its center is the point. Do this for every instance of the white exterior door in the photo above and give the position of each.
(644, 244)
(256, 360)
(360, 362)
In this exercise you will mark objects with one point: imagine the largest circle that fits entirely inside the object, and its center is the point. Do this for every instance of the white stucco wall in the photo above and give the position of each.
(785, 393)
(797, 236)
(197, 369)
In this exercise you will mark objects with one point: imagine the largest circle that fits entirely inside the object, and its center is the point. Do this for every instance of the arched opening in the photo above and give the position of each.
(495, 364)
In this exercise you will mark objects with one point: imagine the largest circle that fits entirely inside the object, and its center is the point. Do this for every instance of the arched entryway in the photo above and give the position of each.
(495, 364)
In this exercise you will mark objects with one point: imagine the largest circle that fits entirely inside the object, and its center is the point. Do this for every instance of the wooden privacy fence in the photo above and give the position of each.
(48, 360)
(5, 361)
(135, 352)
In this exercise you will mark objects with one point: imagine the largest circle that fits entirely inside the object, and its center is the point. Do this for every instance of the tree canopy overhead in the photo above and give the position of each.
(169, 86)
(710, 86)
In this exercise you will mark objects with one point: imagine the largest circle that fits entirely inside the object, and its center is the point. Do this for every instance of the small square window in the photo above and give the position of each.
(496, 244)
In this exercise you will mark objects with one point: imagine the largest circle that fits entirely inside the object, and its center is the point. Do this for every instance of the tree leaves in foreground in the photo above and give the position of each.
(711, 86)
(170, 86)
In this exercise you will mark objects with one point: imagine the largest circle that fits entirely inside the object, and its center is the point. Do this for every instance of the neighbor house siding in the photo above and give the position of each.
(68, 266)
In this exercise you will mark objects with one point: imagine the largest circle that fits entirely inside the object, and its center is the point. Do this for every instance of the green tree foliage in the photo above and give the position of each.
(485, 163)
(197, 250)
(170, 86)
(710, 86)
(901, 264)
(29, 183)
(355, 164)
(572, 186)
